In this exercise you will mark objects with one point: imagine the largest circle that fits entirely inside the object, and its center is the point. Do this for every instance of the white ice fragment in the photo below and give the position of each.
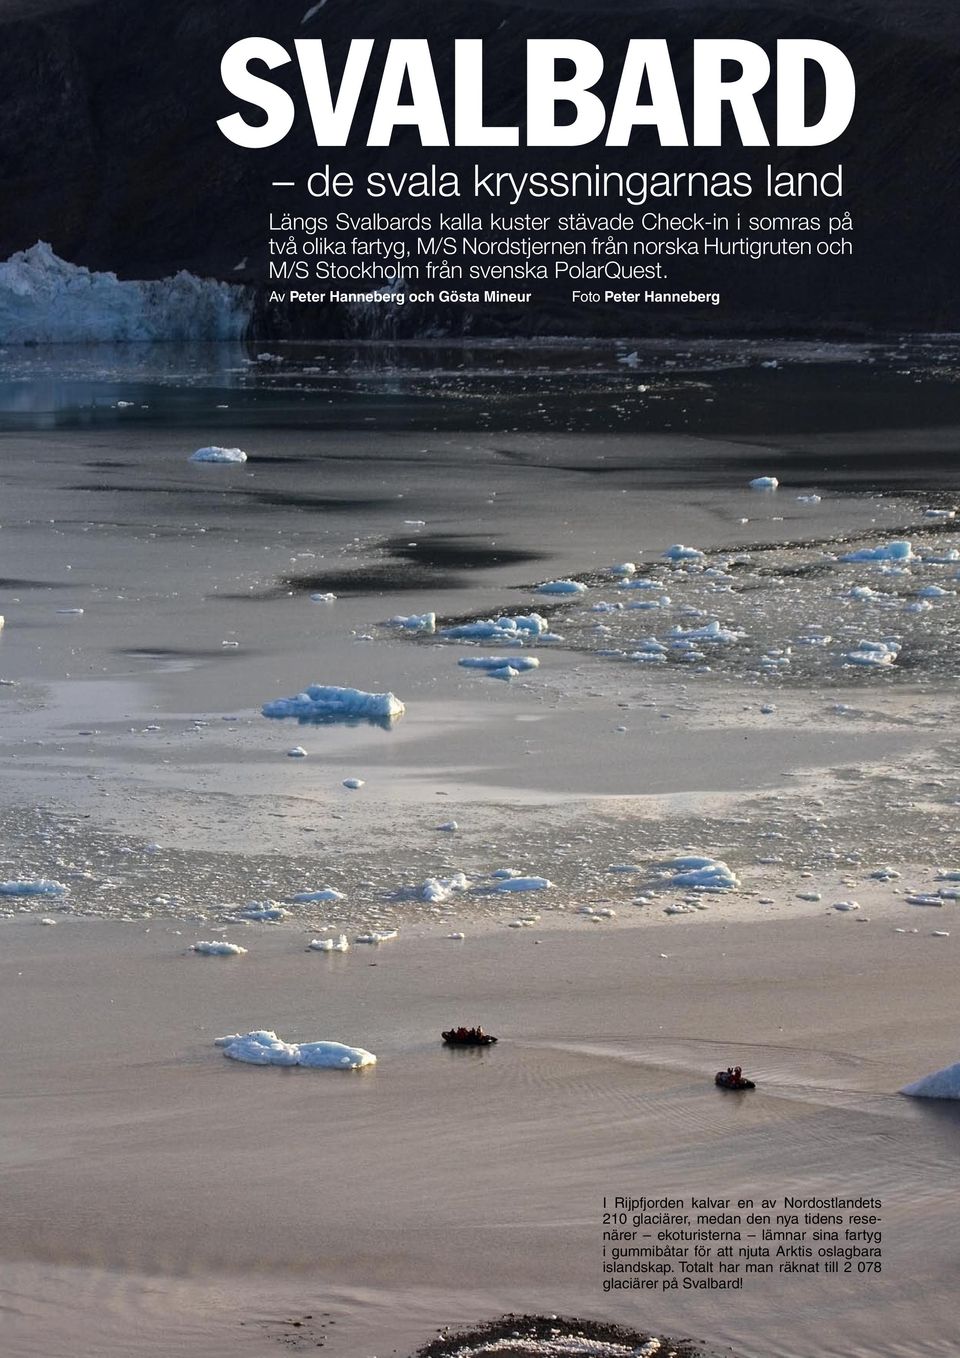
(375, 936)
(517, 629)
(215, 454)
(562, 587)
(217, 948)
(327, 893)
(680, 553)
(494, 665)
(847, 905)
(764, 483)
(940, 514)
(809, 499)
(338, 944)
(323, 598)
(40, 886)
(449, 825)
(889, 551)
(623, 568)
(437, 889)
(509, 884)
(694, 870)
(711, 632)
(942, 1084)
(921, 898)
(266, 1049)
(873, 654)
(298, 752)
(415, 622)
(809, 896)
(265, 912)
(323, 703)
(354, 783)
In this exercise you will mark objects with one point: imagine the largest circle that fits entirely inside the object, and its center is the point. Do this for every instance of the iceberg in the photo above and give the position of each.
(215, 454)
(264, 1048)
(899, 550)
(338, 944)
(46, 300)
(680, 553)
(562, 587)
(694, 870)
(942, 1084)
(320, 705)
(764, 483)
(519, 629)
(41, 886)
(217, 948)
(873, 654)
(416, 622)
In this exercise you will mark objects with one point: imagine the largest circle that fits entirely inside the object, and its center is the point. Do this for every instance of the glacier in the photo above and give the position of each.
(46, 300)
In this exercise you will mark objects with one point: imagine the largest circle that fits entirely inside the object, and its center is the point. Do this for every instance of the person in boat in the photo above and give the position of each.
(738, 1074)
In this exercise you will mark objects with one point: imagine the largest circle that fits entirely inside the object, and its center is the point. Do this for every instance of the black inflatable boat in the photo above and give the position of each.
(470, 1038)
(727, 1081)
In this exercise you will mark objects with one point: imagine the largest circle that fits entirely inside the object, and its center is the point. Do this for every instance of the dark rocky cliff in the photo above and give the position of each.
(109, 147)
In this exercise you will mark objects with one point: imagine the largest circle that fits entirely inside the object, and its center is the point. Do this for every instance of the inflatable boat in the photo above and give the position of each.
(727, 1081)
(470, 1038)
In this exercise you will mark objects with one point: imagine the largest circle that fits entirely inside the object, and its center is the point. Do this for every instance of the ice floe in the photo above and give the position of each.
(217, 948)
(873, 654)
(215, 454)
(263, 1048)
(46, 300)
(562, 587)
(942, 1084)
(624, 568)
(680, 553)
(321, 704)
(500, 666)
(511, 884)
(354, 784)
(517, 629)
(266, 912)
(415, 622)
(376, 936)
(764, 483)
(888, 551)
(712, 632)
(298, 752)
(699, 872)
(338, 944)
(40, 886)
(327, 893)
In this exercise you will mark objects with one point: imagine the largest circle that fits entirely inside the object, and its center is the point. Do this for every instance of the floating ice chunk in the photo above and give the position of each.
(809, 896)
(933, 592)
(449, 825)
(664, 601)
(847, 905)
(624, 568)
(711, 632)
(323, 598)
(562, 587)
(510, 884)
(873, 654)
(217, 948)
(71, 612)
(415, 622)
(45, 300)
(680, 553)
(940, 514)
(338, 944)
(518, 629)
(298, 752)
(266, 1049)
(764, 483)
(457, 935)
(492, 664)
(809, 499)
(887, 551)
(644, 582)
(376, 936)
(354, 783)
(327, 893)
(942, 1084)
(884, 874)
(921, 898)
(815, 639)
(265, 911)
(320, 704)
(437, 889)
(695, 870)
(40, 886)
(215, 454)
